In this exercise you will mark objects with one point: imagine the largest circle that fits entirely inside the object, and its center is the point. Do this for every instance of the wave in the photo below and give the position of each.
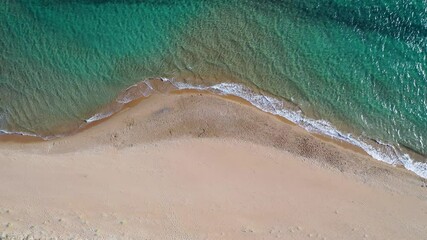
(381, 151)
(5, 132)
(384, 152)
(99, 116)
(142, 89)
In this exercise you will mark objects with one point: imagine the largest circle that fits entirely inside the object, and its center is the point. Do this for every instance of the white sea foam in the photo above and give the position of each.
(388, 153)
(98, 117)
(142, 89)
(4, 132)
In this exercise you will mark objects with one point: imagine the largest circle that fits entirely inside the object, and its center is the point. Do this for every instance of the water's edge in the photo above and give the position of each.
(381, 151)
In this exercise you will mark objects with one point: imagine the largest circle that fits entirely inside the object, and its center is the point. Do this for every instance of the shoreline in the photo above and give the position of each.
(241, 100)
(23, 140)
(17, 138)
(195, 165)
(162, 86)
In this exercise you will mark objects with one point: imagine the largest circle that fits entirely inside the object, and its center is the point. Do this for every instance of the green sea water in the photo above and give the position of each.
(360, 65)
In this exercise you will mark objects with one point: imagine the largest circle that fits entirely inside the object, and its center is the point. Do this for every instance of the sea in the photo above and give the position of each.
(355, 70)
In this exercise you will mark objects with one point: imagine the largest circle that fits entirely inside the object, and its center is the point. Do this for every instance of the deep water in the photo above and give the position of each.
(360, 65)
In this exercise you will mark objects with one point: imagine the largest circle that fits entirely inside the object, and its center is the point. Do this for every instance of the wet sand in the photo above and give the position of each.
(198, 166)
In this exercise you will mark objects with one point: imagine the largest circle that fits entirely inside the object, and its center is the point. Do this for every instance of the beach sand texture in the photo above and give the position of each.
(199, 166)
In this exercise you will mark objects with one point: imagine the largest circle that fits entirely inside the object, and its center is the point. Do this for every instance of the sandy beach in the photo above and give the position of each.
(192, 165)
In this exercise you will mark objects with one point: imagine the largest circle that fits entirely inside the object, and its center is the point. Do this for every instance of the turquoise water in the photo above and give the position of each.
(360, 65)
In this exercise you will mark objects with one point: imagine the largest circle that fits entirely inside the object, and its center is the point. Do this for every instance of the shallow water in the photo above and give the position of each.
(361, 66)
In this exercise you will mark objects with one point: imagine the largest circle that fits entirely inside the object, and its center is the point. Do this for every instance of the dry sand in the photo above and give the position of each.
(198, 166)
